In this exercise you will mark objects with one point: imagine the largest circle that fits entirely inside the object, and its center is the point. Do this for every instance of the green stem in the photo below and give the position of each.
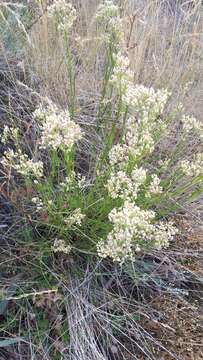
(71, 73)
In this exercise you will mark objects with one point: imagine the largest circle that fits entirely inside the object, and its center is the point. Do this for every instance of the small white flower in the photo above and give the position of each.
(118, 155)
(146, 99)
(154, 187)
(58, 131)
(68, 182)
(134, 229)
(75, 218)
(5, 135)
(63, 13)
(125, 186)
(61, 246)
(108, 16)
(38, 202)
(193, 168)
(9, 133)
(122, 75)
(22, 164)
(81, 180)
(107, 10)
(145, 103)
(192, 124)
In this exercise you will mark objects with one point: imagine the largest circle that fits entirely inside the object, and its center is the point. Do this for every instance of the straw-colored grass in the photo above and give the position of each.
(164, 42)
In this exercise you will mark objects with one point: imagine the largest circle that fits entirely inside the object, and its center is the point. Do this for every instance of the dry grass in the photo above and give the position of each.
(164, 42)
(166, 48)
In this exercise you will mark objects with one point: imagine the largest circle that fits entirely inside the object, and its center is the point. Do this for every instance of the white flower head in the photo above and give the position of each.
(58, 130)
(75, 218)
(38, 203)
(146, 100)
(118, 155)
(68, 182)
(193, 168)
(192, 124)
(81, 181)
(61, 246)
(9, 133)
(22, 164)
(108, 16)
(134, 229)
(64, 13)
(107, 10)
(125, 186)
(122, 75)
(154, 187)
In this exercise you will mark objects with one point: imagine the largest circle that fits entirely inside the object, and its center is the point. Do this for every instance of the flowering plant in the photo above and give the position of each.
(118, 205)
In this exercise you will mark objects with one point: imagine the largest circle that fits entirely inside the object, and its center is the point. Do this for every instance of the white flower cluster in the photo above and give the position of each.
(9, 133)
(138, 137)
(107, 10)
(193, 168)
(122, 75)
(71, 181)
(118, 155)
(154, 187)
(146, 104)
(61, 246)
(192, 124)
(58, 130)
(81, 181)
(64, 13)
(134, 229)
(41, 112)
(138, 141)
(22, 164)
(38, 202)
(108, 15)
(126, 186)
(67, 184)
(145, 101)
(164, 163)
(162, 234)
(75, 218)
